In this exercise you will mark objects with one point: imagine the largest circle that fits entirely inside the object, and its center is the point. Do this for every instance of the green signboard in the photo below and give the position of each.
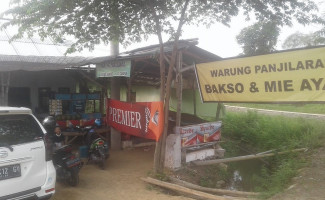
(115, 68)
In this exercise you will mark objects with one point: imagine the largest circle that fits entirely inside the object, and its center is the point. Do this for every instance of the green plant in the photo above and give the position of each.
(248, 133)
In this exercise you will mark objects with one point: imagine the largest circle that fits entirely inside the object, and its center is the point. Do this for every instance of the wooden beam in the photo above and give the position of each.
(185, 190)
(248, 157)
(189, 67)
(213, 190)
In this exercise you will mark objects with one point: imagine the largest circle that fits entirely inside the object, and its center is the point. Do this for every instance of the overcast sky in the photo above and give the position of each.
(218, 39)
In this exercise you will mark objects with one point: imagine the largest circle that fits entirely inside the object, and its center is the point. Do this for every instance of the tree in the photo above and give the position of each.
(299, 40)
(259, 38)
(95, 21)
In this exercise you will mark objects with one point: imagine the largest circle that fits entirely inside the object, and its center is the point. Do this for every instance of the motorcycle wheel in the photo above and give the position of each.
(74, 177)
(102, 163)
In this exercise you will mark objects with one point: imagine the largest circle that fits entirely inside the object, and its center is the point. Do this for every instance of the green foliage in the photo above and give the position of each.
(262, 133)
(259, 38)
(272, 182)
(161, 176)
(258, 133)
(304, 108)
(299, 40)
(96, 21)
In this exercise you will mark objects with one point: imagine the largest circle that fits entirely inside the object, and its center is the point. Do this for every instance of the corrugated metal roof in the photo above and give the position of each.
(34, 54)
(151, 50)
(39, 63)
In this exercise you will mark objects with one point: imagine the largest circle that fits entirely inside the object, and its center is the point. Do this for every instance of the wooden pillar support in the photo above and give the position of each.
(179, 88)
(194, 96)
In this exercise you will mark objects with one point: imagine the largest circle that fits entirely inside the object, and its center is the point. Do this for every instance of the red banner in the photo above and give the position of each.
(139, 119)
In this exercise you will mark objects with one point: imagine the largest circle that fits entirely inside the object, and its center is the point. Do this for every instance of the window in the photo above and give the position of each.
(17, 129)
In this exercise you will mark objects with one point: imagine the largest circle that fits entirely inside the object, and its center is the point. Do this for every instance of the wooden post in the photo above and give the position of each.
(218, 111)
(194, 95)
(129, 85)
(179, 89)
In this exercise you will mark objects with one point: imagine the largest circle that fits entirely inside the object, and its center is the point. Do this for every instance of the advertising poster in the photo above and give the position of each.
(143, 119)
(199, 133)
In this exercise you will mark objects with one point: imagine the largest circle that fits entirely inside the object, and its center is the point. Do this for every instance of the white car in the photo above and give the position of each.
(26, 168)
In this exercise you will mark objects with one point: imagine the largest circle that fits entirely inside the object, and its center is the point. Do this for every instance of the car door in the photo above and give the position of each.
(22, 154)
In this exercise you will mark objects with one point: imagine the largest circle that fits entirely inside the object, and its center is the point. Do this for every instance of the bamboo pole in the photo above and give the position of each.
(248, 157)
(213, 190)
(185, 190)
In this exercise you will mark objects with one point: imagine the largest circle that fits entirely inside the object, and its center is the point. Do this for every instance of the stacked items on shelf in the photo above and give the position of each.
(55, 107)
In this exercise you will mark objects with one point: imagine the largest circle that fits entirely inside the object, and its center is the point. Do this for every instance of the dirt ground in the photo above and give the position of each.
(310, 183)
(120, 181)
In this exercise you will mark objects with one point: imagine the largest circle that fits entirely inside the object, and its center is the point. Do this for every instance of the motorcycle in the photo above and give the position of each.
(98, 149)
(67, 165)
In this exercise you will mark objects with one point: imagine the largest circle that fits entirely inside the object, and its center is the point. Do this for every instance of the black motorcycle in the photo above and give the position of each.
(67, 165)
(98, 149)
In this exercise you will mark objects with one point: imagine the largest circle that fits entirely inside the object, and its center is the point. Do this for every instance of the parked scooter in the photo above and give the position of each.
(67, 165)
(98, 148)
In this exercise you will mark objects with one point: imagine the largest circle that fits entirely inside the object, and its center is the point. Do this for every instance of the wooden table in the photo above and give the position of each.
(73, 134)
(104, 133)
(70, 136)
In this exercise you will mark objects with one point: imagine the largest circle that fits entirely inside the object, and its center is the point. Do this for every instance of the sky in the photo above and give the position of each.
(218, 39)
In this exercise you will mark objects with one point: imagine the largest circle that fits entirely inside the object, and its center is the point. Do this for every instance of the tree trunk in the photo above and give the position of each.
(159, 161)
(158, 167)
(168, 84)
(115, 94)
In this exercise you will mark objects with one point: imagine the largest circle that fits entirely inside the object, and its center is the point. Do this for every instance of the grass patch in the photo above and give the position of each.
(252, 133)
(304, 108)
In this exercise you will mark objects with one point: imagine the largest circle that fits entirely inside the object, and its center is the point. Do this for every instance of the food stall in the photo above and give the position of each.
(77, 110)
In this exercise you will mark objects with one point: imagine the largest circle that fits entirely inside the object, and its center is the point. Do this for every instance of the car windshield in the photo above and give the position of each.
(17, 129)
